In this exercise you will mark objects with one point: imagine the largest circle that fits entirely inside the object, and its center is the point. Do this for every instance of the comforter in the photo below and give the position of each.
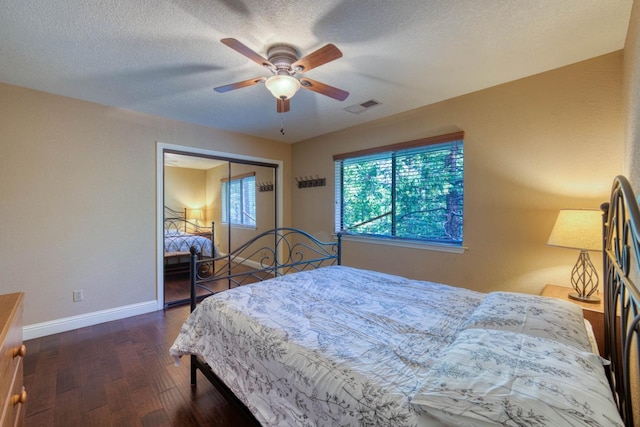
(341, 346)
(180, 241)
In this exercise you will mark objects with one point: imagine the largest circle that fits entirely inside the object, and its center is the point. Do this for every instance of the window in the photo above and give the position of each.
(407, 191)
(239, 200)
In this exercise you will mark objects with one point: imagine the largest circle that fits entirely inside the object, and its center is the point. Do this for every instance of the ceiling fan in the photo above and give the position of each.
(284, 63)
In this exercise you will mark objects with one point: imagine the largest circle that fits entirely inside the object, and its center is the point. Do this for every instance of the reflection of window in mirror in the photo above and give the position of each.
(239, 200)
(246, 210)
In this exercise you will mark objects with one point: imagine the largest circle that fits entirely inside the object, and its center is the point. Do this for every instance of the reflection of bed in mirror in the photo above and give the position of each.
(180, 234)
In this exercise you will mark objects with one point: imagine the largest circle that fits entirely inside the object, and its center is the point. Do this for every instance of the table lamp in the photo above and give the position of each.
(580, 229)
(195, 215)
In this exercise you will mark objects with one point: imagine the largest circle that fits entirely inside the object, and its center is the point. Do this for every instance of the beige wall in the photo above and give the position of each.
(185, 188)
(78, 199)
(632, 97)
(532, 146)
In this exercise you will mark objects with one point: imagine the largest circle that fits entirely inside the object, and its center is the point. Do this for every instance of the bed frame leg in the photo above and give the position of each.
(194, 371)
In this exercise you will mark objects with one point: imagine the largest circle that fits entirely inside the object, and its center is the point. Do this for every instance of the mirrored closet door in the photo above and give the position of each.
(215, 204)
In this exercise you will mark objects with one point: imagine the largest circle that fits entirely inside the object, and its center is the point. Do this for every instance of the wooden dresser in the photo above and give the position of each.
(12, 352)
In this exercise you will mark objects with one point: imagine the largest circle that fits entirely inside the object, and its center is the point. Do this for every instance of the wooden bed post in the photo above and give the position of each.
(185, 220)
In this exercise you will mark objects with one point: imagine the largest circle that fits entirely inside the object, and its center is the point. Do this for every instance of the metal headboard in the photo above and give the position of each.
(177, 220)
(621, 265)
(272, 253)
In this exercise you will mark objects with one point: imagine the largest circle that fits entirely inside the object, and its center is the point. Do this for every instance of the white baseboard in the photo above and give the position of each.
(51, 327)
(254, 264)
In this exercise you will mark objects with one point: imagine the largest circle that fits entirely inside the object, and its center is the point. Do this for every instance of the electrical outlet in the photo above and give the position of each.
(78, 295)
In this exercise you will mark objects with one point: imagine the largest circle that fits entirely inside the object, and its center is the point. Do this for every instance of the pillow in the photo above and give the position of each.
(172, 232)
(538, 316)
(492, 377)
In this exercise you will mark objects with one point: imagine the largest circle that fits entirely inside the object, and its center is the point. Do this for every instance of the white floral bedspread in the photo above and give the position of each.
(339, 346)
(179, 241)
(335, 346)
(496, 377)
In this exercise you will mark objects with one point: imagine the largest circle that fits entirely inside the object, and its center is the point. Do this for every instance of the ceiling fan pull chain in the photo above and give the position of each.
(282, 125)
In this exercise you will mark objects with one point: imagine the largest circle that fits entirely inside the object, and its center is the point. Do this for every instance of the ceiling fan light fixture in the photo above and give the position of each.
(282, 86)
(284, 62)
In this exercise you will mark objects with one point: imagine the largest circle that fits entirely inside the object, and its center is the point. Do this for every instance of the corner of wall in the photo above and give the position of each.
(631, 76)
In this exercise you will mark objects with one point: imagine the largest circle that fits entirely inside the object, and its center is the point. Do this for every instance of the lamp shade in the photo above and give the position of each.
(195, 214)
(282, 86)
(577, 229)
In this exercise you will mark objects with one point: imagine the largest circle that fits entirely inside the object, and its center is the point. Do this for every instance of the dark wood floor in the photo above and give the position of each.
(177, 289)
(120, 374)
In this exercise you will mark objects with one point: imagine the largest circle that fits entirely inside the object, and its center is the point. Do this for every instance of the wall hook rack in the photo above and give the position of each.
(310, 182)
(264, 186)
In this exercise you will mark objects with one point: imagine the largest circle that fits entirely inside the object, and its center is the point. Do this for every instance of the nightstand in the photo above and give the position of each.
(593, 312)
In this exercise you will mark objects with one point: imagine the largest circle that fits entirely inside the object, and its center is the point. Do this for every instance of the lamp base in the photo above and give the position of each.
(591, 299)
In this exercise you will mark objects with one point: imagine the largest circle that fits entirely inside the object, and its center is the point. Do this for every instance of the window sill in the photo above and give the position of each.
(406, 244)
(240, 226)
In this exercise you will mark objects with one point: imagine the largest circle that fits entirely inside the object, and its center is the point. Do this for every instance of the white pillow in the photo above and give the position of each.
(172, 232)
(538, 316)
(492, 377)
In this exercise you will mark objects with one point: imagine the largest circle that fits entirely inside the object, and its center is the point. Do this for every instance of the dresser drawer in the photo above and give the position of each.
(12, 396)
(14, 409)
(8, 358)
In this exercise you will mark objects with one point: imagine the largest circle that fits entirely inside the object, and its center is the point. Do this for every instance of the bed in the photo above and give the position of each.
(180, 234)
(335, 345)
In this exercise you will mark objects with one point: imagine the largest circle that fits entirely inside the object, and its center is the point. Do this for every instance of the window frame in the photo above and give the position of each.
(390, 152)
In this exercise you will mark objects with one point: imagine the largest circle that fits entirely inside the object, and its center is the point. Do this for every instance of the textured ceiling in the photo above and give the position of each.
(164, 57)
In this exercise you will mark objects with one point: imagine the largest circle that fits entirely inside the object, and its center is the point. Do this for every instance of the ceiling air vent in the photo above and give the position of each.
(359, 108)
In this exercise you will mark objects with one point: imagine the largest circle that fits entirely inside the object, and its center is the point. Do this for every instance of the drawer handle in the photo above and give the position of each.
(20, 351)
(19, 398)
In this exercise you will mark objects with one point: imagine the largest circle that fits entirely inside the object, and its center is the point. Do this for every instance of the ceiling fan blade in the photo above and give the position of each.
(238, 85)
(283, 105)
(321, 56)
(324, 89)
(246, 51)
